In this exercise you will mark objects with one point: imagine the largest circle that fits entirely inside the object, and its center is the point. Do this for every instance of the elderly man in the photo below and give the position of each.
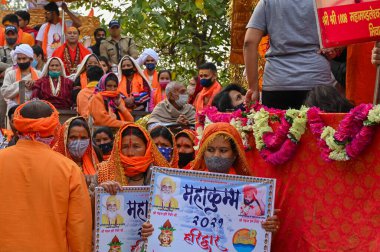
(174, 109)
(51, 209)
(112, 216)
(72, 52)
(23, 73)
(117, 46)
(165, 199)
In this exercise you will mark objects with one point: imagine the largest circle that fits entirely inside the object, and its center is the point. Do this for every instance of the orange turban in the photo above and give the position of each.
(44, 127)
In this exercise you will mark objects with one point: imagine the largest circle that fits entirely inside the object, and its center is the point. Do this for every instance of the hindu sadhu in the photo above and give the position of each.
(222, 151)
(45, 204)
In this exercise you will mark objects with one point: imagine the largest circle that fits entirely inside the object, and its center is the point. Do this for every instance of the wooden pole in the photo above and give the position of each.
(376, 95)
(63, 26)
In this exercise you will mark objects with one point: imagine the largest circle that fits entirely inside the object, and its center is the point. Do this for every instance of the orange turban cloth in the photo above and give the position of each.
(44, 126)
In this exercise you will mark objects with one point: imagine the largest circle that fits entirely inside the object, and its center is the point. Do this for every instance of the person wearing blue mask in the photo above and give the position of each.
(38, 58)
(164, 139)
(210, 86)
(230, 99)
(54, 86)
(174, 110)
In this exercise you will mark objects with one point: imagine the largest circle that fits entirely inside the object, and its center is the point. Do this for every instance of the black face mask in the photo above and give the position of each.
(128, 72)
(106, 148)
(99, 40)
(185, 158)
(24, 66)
(241, 107)
(11, 41)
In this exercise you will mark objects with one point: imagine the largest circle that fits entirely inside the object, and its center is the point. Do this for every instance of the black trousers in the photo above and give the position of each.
(284, 99)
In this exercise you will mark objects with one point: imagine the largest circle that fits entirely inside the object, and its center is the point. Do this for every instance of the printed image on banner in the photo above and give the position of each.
(202, 211)
(119, 219)
(344, 22)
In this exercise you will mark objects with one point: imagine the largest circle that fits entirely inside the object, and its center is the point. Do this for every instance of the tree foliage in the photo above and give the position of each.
(185, 33)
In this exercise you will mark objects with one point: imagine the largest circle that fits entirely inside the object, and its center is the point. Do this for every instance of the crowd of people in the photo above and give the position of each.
(105, 84)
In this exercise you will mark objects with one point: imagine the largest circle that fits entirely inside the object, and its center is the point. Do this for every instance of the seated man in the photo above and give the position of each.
(24, 72)
(211, 87)
(23, 37)
(174, 109)
(72, 52)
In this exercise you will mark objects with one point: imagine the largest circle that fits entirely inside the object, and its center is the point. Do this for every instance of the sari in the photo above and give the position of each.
(240, 166)
(89, 159)
(120, 167)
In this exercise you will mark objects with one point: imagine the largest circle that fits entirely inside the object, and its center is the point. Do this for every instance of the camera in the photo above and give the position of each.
(4, 59)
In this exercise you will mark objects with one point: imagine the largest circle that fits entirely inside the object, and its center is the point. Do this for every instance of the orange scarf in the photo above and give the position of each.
(110, 94)
(83, 80)
(19, 78)
(45, 127)
(155, 86)
(207, 93)
(20, 34)
(137, 85)
(2, 36)
(46, 38)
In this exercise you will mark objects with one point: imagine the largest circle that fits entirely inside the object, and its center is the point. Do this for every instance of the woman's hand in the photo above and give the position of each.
(111, 187)
(146, 230)
(272, 224)
(117, 101)
(130, 102)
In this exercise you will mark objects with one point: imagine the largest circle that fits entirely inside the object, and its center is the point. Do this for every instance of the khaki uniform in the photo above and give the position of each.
(5, 62)
(114, 51)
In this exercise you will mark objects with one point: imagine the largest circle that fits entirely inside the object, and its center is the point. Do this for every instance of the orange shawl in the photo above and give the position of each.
(19, 78)
(240, 165)
(2, 36)
(89, 159)
(191, 134)
(83, 80)
(60, 51)
(46, 34)
(156, 87)
(137, 85)
(206, 96)
(44, 127)
(119, 166)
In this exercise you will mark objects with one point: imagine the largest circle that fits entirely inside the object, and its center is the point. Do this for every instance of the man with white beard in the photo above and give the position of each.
(165, 199)
(112, 217)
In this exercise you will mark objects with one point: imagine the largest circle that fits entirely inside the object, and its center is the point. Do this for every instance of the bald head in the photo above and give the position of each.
(36, 109)
(173, 86)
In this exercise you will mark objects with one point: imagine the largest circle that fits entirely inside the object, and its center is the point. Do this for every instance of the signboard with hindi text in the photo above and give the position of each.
(119, 219)
(343, 22)
(203, 211)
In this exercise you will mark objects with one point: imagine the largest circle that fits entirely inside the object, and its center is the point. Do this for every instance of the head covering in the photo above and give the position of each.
(101, 86)
(113, 23)
(44, 127)
(191, 134)
(82, 65)
(107, 95)
(137, 66)
(10, 28)
(24, 49)
(175, 156)
(45, 70)
(147, 52)
(213, 130)
(249, 190)
(113, 199)
(89, 158)
(119, 166)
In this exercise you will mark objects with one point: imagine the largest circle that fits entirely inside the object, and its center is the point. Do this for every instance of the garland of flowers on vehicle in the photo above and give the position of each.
(280, 146)
(355, 132)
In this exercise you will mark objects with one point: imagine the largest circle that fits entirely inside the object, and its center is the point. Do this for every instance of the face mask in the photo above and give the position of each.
(54, 74)
(77, 148)
(182, 100)
(99, 40)
(150, 66)
(128, 72)
(11, 41)
(185, 158)
(106, 148)
(34, 63)
(219, 164)
(163, 84)
(241, 107)
(206, 82)
(24, 66)
(166, 152)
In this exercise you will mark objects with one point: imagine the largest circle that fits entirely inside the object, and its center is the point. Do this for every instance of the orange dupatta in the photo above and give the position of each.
(83, 80)
(137, 85)
(89, 158)
(2, 36)
(19, 78)
(46, 35)
(241, 166)
(209, 93)
(156, 87)
(119, 166)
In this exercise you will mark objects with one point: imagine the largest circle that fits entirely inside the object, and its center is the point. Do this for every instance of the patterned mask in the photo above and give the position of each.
(77, 148)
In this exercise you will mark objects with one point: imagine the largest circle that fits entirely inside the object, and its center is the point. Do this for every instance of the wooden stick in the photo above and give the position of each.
(376, 95)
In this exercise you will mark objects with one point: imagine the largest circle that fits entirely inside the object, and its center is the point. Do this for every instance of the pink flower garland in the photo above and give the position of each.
(351, 131)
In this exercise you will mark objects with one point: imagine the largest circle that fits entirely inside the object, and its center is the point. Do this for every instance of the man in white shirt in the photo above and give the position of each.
(50, 34)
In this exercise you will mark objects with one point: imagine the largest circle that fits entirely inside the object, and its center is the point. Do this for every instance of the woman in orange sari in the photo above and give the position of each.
(133, 153)
(185, 141)
(164, 139)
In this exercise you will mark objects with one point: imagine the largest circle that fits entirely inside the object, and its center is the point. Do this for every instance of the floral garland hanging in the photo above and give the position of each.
(355, 132)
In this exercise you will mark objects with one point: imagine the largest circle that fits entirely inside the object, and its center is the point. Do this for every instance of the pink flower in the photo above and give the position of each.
(284, 154)
(273, 140)
(360, 141)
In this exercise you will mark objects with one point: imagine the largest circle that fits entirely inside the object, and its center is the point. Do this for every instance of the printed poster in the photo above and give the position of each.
(195, 211)
(119, 219)
(343, 22)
